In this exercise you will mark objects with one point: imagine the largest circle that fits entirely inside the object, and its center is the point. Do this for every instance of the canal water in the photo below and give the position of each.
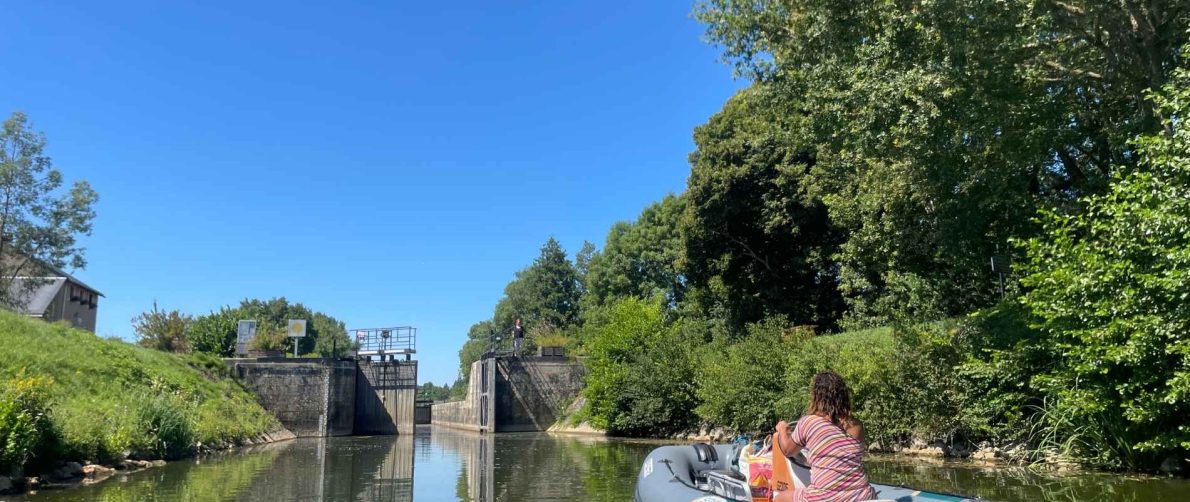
(438, 464)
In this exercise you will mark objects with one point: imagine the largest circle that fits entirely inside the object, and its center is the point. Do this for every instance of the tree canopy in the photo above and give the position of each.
(40, 221)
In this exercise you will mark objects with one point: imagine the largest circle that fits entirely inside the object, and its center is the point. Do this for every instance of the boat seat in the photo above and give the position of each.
(706, 453)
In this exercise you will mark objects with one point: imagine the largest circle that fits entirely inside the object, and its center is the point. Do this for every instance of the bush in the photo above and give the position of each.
(25, 426)
(641, 381)
(1108, 288)
(167, 421)
(215, 333)
(268, 339)
(740, 385)
(161, 330)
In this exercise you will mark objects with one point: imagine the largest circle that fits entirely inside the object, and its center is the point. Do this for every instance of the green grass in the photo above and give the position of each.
(110, 399)
(882, 336)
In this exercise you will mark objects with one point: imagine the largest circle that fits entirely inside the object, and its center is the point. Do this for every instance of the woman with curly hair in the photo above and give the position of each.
(834, 445)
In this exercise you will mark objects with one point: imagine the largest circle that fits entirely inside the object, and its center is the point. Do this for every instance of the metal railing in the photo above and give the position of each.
(400, 340)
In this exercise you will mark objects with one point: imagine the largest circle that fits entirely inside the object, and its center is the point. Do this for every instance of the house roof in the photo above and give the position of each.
(34, 301)
(59, 273)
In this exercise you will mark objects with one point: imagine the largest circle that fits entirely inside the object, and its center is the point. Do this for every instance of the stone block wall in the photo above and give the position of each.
(310, 397)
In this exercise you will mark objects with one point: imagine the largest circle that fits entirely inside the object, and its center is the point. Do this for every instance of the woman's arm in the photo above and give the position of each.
(783, 440)
(855, 429)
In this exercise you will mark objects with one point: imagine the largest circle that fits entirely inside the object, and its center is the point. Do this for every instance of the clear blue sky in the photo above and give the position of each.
(389, 163)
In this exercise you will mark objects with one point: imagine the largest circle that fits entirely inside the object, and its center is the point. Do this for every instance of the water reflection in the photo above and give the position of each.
(447, 465)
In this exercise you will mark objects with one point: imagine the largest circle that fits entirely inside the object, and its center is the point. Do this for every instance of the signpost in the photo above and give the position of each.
(297, 329)
(1000, 267)
(245, 332)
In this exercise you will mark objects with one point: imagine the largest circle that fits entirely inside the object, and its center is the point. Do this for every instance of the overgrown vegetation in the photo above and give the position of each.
(71, 395)
(842, 211)
(215, 333)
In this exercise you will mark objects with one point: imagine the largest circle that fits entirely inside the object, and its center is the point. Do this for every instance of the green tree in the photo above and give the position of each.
(325, 335)
(215, 333)
(755, 245)
(430, 392)
(161, 330)
(640, 259)
(1109, 288)
(479, 340)
(40, 223)
(640, 380)
(548, 291)
(939, 128)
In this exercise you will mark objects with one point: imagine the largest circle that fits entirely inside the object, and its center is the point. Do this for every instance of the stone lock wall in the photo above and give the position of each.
(513, 394)
(532, 392)
(310, 397)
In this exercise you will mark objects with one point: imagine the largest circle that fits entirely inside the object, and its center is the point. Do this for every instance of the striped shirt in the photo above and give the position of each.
(836, 462)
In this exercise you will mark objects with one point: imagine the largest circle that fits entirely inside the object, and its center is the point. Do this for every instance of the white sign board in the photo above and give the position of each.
(245, 332)
(297, 328)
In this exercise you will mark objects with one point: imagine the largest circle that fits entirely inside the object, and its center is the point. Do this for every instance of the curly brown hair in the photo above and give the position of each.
(830, 397)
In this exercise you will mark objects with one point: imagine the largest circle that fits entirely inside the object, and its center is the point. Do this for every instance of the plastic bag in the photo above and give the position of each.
(757, 468)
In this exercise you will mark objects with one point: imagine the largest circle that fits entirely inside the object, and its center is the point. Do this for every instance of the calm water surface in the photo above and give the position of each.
(439, 464)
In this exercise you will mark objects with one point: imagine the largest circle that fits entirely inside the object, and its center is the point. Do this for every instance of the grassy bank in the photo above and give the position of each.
(70, 395)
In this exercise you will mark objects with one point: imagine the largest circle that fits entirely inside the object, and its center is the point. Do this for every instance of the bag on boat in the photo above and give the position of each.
(757, 468)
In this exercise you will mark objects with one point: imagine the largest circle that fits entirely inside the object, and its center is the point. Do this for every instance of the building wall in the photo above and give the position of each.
(62, 308)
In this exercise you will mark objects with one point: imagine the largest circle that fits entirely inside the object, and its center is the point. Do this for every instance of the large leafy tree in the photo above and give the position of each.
(755, 243)
(546, 292)
(640, 259)
(939, 128)
(40, 222)
(1109, 288)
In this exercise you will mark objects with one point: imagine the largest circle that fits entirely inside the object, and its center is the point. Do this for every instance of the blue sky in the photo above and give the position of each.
(389, 163)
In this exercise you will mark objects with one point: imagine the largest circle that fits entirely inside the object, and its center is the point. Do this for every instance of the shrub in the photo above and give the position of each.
(215, 333)
(740, 385)
(25, 426)
(641, 380)
(161, 330)
(268, 339)
(1109, 289)
(167, 421)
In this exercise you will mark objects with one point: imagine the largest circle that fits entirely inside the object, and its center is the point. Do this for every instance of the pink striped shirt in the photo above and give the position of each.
(836, 462)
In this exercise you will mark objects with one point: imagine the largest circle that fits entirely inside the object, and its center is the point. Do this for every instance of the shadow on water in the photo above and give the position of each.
(462, 466)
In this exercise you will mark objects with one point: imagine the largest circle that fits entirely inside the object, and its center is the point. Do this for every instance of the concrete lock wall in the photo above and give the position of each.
(532, 392)
(385, 395)
(513, 394)
(474, 412)
(310, 397)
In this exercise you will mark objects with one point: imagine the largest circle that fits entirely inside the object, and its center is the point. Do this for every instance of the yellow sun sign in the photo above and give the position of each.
(297, 328)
